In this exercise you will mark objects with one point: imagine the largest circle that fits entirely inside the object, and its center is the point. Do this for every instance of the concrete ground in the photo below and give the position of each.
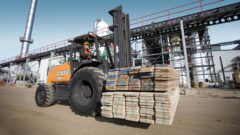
(203, 115)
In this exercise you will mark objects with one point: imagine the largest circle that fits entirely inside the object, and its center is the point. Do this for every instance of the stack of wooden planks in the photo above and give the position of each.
(119, 105)
(112, 77)
(107, 104)
(146, 107)
(147, 84)
(123, 79)
(134, 83)
(132, 106)
(165, 106)
(122, 82)
(142, 94)
(154, 78)
(146, 102)
(147, 78)
(165, 78)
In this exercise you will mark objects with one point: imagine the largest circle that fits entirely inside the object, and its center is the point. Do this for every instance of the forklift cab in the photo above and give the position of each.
(84, 50)
(81, 47)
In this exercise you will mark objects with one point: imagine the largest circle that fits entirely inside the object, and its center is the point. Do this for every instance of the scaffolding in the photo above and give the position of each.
(168, 49)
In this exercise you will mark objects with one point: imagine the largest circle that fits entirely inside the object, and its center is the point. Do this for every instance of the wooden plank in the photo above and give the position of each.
(123, 71)
(146, 69)
(134, 70)
(122, 88)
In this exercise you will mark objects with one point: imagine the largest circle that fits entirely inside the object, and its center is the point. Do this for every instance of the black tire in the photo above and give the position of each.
(86, 90)
(44, 96)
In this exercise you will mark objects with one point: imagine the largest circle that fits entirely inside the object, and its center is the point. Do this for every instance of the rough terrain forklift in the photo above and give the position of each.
(81, 79)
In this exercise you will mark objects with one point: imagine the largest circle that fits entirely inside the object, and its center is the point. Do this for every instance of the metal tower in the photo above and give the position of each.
(26, 39)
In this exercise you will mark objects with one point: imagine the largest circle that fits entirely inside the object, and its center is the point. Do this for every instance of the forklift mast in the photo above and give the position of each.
(121, 38)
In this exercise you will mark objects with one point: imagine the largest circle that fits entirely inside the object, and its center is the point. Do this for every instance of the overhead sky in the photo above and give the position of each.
(58, 20)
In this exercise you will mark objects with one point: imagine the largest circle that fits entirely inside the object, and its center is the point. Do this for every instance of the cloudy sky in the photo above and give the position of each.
(57, 20)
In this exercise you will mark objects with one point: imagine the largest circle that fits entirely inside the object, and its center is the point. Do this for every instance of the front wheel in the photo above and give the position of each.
(44, 96)
(85, 91)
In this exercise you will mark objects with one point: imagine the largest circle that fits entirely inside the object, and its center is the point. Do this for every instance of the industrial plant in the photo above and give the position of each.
(140, 71)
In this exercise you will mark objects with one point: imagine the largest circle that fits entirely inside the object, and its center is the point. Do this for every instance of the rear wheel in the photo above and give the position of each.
(85, 91)
(44, 96)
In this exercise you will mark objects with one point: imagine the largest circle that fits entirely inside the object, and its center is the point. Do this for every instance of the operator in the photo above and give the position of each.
(85, 52)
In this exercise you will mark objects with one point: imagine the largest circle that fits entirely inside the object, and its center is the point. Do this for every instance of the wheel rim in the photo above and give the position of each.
(87, 93)
(83, 93)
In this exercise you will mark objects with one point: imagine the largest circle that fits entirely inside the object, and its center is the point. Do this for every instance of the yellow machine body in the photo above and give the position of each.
(59, 74)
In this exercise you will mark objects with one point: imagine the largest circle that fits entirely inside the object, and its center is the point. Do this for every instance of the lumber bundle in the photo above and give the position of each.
(122, 82)
(119, 105)
(146, 107)
(166, 78)
(166, 73)
(146, 102)
(165, 106)
(134, 83)
(132, 106)
(147, 84)
(107, 104)
(142, 94)
(154, 78)
(112, 77)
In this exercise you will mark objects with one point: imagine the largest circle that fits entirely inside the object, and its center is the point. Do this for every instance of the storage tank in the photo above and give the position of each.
(101, 27)
(199, 60)
(178, 59)
(179, 65)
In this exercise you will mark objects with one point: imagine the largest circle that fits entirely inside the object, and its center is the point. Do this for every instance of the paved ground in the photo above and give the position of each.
(195, 115)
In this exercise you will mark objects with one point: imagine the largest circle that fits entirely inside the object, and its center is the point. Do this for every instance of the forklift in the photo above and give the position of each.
(81, 79)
